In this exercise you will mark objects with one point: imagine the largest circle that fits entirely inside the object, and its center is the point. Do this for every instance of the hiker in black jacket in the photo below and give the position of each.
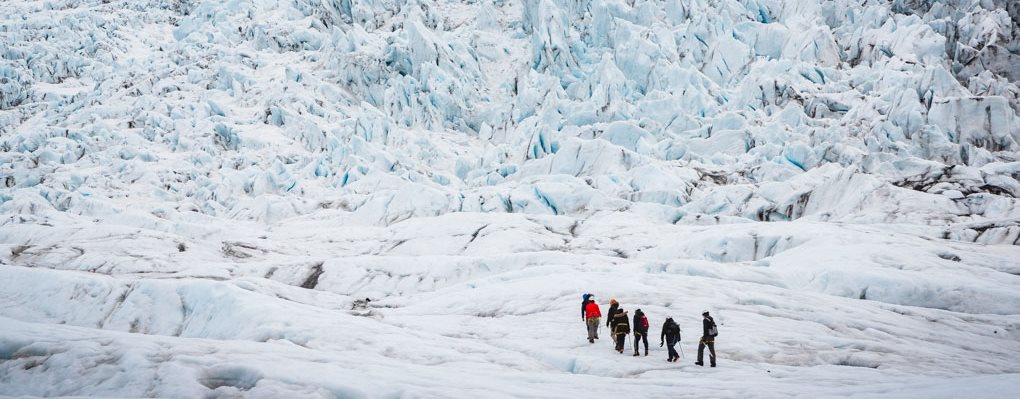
(593, 330)
(671, 336)
(613, 307)
(584, 306)
(621, 327)
(640, 331)
(707, 339)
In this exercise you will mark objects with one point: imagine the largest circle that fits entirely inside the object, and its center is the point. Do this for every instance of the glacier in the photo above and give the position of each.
(197, 197)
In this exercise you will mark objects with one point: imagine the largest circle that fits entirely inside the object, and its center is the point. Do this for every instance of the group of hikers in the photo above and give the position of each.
(620, 325)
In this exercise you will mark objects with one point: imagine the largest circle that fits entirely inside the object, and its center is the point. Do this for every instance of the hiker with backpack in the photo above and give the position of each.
(640, 331)
(592, 314)
(620, 328)
(671, 335)
(707, 339)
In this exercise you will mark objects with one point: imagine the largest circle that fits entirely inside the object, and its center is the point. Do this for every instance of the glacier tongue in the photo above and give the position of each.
(197, 196)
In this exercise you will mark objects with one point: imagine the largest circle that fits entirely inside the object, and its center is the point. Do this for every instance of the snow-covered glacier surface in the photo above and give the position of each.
(197, 196)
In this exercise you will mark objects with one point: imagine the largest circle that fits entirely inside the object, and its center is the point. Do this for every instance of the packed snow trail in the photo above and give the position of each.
(195, 194)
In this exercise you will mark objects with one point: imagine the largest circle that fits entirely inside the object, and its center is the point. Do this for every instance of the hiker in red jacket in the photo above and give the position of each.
(592, 314)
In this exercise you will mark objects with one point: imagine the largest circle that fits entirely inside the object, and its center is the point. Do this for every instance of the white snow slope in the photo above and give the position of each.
(196, 195)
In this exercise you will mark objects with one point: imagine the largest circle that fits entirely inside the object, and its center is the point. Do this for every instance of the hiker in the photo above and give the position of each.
(671, 336)
(621, 327)
(592, 313)
(613, 307)
(584, 307)
(585, 298)
(707, 339)
(640, 331)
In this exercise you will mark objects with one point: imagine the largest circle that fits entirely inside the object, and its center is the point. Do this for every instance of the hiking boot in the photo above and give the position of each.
(699, 363)
(712, 365)
(646, 352)
(591, 341)
(637, 354)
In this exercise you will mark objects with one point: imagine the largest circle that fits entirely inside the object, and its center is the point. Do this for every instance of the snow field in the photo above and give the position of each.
(499, 316)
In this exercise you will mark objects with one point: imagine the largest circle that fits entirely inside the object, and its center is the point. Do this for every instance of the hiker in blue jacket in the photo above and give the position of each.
(584, 307)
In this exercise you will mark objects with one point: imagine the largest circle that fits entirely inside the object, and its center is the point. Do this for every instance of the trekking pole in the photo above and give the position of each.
(678, 342)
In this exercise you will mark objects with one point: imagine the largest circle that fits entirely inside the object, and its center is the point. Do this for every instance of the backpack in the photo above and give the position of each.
(673, 330)
(712, 331)
(644, 323)
(621, 323)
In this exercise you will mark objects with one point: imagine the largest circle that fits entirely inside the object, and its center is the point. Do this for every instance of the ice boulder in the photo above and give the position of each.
(13, 90)
(986, 122)
(626, 135)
